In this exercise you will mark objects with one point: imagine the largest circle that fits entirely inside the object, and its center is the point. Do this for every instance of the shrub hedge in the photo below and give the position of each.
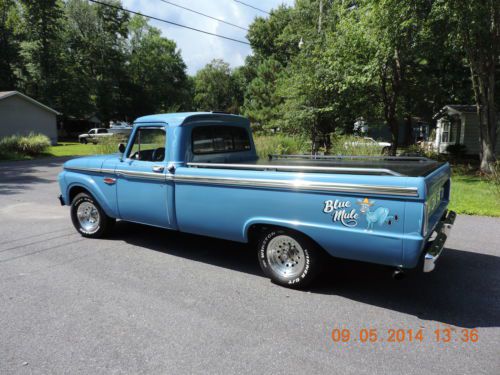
(23, 145)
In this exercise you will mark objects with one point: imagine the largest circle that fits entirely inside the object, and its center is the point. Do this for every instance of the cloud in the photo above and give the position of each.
(198, 49)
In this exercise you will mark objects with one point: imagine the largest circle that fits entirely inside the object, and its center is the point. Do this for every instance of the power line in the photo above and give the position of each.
(204, 15)
(251, 6)
(169, 22)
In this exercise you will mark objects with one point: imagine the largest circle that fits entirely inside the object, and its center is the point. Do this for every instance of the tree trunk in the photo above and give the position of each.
(390, 98)
(409, 130)
(484, 92)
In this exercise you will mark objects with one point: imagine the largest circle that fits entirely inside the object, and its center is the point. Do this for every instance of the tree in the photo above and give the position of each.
(156, 71)
(95, 59)
(261, 99)
(214, 88)
(9, 43)
(40, 49)
(477, 26)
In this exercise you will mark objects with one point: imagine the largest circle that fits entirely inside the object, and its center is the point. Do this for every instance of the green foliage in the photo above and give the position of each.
(215, 88)
(83, 59)
(156, 71)
(457, 151)
(261, 99)
(18, 145)
(280, 144)
(494, 178)
(109, 145)
(9, 42)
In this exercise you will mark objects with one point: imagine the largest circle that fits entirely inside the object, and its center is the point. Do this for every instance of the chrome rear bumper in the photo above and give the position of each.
(435, 247)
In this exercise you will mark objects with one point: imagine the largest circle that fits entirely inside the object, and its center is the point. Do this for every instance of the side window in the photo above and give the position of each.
(148, 145)
(102, 131)
(219, 139)
(92, 131)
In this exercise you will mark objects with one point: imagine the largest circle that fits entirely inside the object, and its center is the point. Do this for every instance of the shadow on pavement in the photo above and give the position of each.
(21, 175)
(463, 291)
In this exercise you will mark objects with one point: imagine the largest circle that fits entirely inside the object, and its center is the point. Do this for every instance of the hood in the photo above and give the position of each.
(93, 162)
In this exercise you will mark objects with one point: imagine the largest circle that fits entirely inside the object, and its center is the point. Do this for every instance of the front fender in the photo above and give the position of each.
(93, 185)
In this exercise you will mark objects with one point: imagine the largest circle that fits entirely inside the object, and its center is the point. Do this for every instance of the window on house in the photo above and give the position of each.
(445, 132)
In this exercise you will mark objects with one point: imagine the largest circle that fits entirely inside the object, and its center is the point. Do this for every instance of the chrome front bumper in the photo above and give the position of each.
(435, 247)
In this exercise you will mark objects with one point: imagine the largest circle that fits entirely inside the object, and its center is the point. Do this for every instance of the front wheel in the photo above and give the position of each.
(288, 258)
(88, 217)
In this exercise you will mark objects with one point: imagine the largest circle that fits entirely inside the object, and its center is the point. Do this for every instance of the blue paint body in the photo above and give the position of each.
(390, 230)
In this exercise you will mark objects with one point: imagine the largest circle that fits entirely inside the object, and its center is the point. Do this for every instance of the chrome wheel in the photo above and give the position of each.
(88, 217)
(285, 256)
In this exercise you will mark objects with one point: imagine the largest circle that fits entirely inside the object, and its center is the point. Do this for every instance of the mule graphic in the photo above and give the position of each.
(380, 215)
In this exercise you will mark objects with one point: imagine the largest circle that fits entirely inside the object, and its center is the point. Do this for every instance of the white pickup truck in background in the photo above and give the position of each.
(95, 134)
(370, 143)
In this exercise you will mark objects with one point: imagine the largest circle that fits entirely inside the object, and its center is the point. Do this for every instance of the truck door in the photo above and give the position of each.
(142, 187)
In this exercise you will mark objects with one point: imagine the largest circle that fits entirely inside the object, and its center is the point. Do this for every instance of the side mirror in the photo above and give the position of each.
(121, 148)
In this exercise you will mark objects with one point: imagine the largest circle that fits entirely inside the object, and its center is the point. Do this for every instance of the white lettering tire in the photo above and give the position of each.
(288, 258)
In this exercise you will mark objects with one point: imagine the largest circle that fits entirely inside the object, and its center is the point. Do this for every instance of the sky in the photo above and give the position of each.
(198, 49)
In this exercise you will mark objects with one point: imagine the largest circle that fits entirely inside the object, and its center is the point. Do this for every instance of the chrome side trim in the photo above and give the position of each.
(265, 183)
(140, 174)
(121, 172)
(302, 185)
(294, 168)
(84, 169)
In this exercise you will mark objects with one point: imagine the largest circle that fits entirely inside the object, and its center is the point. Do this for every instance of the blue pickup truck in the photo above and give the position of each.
(199, 173)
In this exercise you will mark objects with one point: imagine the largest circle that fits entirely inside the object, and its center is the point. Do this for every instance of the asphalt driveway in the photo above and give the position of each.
(151, 301)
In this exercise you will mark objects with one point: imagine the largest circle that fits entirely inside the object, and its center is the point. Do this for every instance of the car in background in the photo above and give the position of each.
(369, 142)
(93, 135)
(96, 134)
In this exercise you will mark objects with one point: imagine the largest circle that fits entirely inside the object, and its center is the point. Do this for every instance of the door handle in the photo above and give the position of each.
(158, 168)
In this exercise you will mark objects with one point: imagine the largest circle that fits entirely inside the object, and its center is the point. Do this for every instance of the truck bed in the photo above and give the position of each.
(372, 165)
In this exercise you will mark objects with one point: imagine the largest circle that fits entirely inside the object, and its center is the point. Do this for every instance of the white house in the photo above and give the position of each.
(459, 124)
(20, 114)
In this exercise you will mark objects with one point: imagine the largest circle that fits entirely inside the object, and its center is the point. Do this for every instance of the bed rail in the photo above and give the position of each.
(298, 168)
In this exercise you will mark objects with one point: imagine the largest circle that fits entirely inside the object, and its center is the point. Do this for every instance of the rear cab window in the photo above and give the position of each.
(216, 139)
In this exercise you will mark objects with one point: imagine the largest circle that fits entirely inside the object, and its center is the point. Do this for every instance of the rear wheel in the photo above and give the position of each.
(288, 258)
(88, 217)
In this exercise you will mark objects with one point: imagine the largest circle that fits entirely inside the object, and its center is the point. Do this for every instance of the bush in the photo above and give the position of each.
(30, 145)
(457, 151)
(280, 145)
(109, 145)
(494, 178)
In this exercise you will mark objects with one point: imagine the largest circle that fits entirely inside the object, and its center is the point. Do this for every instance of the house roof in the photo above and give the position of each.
(455, 109)
(7, 94)
(176, 119)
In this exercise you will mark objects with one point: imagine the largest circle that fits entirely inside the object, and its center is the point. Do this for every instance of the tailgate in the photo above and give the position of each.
(437, 197)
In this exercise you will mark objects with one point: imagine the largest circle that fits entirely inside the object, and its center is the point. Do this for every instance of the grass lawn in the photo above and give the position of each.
(72, 149)
(473, 195)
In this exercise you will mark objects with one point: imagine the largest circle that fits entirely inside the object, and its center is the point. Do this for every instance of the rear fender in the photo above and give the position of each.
(263, 221)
